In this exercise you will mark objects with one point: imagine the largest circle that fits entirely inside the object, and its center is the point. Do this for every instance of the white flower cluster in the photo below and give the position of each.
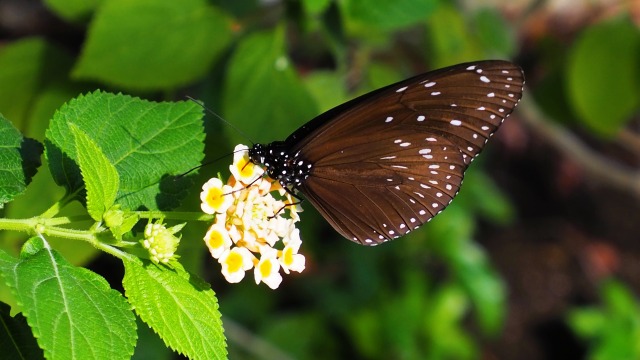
(250, 223)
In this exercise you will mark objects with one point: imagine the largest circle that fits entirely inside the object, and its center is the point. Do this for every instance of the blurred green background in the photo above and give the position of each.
(537, 258)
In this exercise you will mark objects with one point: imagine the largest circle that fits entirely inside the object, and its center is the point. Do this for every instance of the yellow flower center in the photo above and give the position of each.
(215, 198)
(246, 167)
(265, 268)
(287, 257)
(215, 239)
(234, 262)
(260, 211)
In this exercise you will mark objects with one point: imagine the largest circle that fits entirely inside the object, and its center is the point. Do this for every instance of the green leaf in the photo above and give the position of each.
(587, 322)
(181, 308)
(450, 235)
(484, 286)
(147, 142)
(613, 329)
(388, 15)
(16, 339)
(326, 88)
(263, 95)
(119, 222)
(152, 44)
(494, 33)
(447, 339)
(316, 7)
(99, 175)
(72, 311)
(451, 40)
(29, 67)
(72, 10)
(482, 195)
(620, 300)
(19, 160)
(603, 73)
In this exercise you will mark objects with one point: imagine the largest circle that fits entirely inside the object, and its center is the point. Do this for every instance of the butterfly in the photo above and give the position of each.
(381, 165)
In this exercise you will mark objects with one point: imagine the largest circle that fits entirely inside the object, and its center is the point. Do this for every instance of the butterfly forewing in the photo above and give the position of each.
(386, 162)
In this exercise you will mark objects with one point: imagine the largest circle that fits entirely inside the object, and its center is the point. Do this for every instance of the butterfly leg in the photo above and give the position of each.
(293, 194)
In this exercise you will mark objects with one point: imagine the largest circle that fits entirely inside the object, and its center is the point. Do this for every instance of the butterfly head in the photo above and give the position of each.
(289, 170)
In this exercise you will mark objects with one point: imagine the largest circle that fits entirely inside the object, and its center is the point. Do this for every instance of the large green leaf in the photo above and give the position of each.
(72, 311)
(603, 75)
(388, 15)
(28, 68)
(19, 160)
(147, 142)
(263, 95)
(72, 10)
(152, 44)
(450, 38)
(181, 308)
(99, 175)
(16, 339)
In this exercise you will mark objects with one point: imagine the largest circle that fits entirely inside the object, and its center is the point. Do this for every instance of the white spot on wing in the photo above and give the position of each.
(402, 89)
(484, 79)
(430, 84)
(455, 122)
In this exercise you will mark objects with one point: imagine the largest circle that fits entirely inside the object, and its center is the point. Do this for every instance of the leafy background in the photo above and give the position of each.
(537, 257)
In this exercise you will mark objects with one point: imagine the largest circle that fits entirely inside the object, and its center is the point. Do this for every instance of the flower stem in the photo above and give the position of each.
(175, 215)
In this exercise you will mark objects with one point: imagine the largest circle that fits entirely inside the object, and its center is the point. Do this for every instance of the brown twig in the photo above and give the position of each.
(604, 169)
(253, 344)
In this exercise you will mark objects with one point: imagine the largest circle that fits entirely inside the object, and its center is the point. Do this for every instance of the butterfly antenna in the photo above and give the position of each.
(206, 163)
(221, 119)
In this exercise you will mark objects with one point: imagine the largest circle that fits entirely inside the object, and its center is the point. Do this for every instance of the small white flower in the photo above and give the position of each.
(217, 240)
(268, 268)
(242, 168)
(289, 258)
(215, 196)
(235, 262)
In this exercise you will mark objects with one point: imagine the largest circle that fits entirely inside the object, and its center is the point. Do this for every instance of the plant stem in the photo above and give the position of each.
(87, 236)
(175, 215)
(55, 208)
(24, 225)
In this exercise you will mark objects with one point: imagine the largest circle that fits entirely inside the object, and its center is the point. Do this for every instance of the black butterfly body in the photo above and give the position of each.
(382, 164)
